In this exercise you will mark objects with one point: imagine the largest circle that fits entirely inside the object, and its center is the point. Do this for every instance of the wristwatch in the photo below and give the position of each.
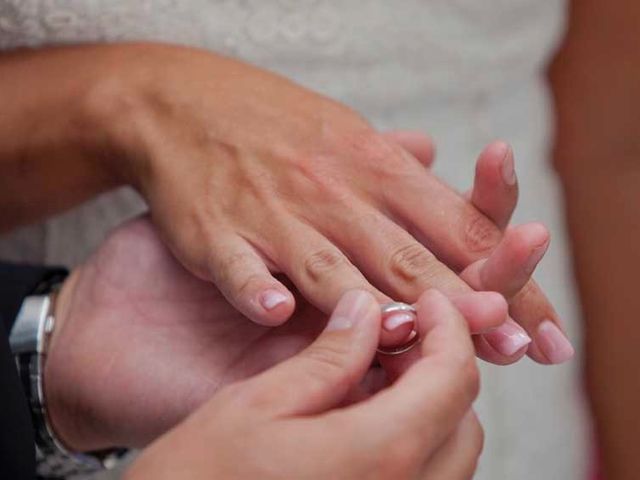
(29, 339)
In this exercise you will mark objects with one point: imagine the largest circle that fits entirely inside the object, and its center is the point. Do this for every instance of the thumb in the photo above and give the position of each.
(321, 376)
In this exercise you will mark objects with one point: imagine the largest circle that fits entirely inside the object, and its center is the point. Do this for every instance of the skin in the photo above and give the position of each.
(291, 420)
(131, 307)
(247, 176)
(595, 79)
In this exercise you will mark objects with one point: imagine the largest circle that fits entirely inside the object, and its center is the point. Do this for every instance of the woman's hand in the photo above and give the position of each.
(140, 343)
(290, 422)
(249, 175)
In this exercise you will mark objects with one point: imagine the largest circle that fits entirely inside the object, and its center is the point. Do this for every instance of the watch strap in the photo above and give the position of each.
(18, 281)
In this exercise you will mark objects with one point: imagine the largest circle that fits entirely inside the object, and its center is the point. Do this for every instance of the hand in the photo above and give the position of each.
(288, 422)
(508, 269)
(248, 175)
(139, 342)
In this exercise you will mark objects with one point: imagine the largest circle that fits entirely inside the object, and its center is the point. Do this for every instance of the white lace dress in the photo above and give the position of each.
(466, 71)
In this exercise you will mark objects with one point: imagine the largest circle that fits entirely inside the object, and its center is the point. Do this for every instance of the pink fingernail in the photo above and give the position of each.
(270, 299)
(535, 256)
(553, 343)
(394, 321)
(508, 338)
(508, 168)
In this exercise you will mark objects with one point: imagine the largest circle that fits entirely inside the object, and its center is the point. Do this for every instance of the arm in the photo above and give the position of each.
(595, 79)
(51, 149)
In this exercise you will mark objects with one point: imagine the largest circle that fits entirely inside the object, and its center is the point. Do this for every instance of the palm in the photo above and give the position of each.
(158, 341)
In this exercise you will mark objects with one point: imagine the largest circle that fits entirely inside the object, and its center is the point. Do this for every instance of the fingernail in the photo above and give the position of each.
(270, 299)
(535, 256)
(395, 320)
(508, 338)
(508, 168)
(352, 307)
(553, 343)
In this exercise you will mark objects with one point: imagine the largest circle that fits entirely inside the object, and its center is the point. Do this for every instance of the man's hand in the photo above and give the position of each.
(288, 422)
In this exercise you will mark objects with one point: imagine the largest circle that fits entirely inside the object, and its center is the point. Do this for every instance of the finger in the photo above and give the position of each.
(402, 267)
(482, 311)
(440, 218)
(503, 346)
(416, 143)
(457, 459)
(550, 344)
(389, 256)
(245, 281)
(495, 189)
(508, 271)
(511, 264)
(321, 376)
(426, 404)
(320, 271)
(459, 234)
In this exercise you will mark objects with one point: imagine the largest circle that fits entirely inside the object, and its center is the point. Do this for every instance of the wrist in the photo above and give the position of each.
(122, 105)
(65, 414)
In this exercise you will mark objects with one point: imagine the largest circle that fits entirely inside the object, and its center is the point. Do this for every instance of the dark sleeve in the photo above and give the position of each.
(17, 451)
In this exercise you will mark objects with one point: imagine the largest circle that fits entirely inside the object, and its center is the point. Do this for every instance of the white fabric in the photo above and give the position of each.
(466, 71)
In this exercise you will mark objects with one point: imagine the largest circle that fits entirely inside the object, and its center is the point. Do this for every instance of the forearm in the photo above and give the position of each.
(604, 224)
(597, 153)
(63, 126)
(50, 151)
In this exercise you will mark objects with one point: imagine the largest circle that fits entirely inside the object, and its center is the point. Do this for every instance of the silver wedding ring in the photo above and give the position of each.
(414, 338)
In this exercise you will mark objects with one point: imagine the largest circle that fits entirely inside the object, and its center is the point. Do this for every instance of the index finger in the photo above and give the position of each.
(426, 404)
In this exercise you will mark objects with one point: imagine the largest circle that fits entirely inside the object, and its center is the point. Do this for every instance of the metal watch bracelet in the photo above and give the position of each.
(29, 340)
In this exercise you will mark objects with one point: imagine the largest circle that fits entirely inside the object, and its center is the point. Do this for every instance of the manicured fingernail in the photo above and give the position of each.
(508, 169)
(395, 320)
(270, 299)
(508, 338)
(352, 307)
(535, 256)
(553, 343)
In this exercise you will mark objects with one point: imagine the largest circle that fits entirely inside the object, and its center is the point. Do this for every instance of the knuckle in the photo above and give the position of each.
(527, 293)
(369, 144)
(247, 285)
(477, 437)
(411, 262)
(401, 455)
(470, 377)
(480, 234)
(235, 262)
(315, 177)
(322, 263)
(463, 375)
(327, 361)
(381, 157)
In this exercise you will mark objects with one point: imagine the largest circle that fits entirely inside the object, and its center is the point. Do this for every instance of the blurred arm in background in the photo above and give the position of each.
(596, 82)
